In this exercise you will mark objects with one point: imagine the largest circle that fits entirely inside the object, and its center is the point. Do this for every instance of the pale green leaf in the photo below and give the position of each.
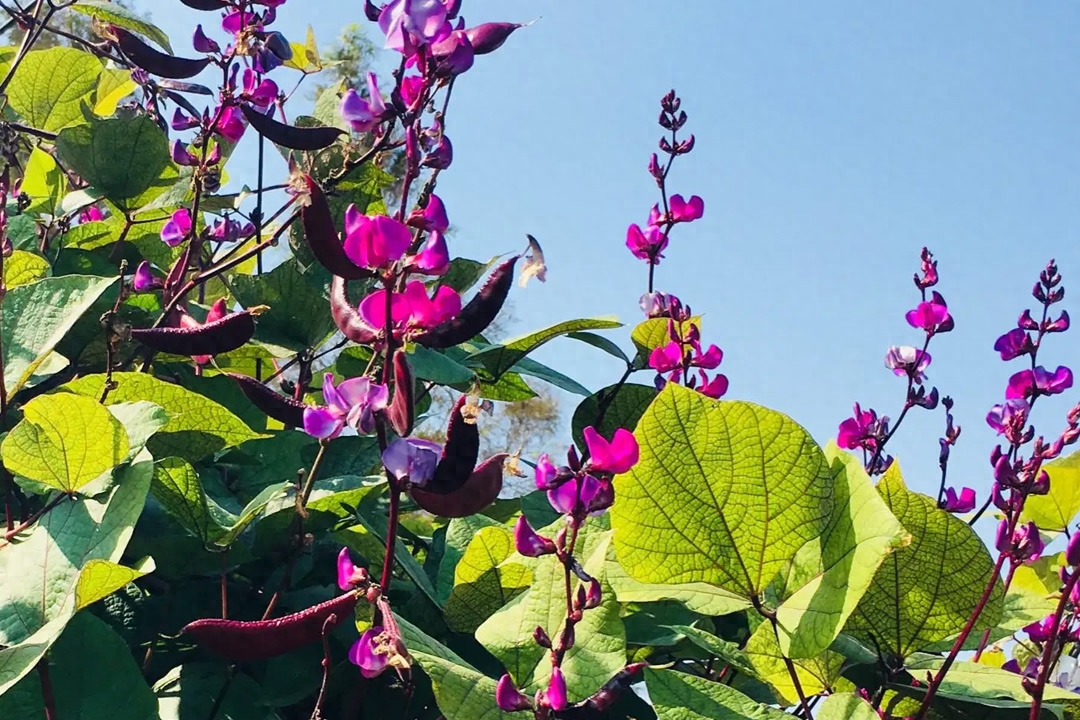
(724, 493)
(831, 573)
(1054, 511)
(250, 512)
(924, 592)
(22, 268)
(191, 691)
(483, 582)
(20, 658)
(65, 441)
(678, 696)
(38, 573)
(50, 85)
(461, 692)
(498, 359)
(459, 533)
(815, 674)
(118, 15)
(845, 706)
(141, 420)
(970, 680)
(113, 86)
(100, 578)
(653, 333)
(701, 598)
(37, 316)
(724, 650)
(197, 425)
(43, 182)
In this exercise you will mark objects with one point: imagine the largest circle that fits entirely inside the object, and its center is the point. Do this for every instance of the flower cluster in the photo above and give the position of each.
(683, 354)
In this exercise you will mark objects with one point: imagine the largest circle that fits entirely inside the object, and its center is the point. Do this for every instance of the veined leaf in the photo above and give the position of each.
(497, 359)
(483, 581)
(678, 696)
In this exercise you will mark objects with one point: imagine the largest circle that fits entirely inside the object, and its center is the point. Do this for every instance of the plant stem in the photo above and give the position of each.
(1004, 589)
(935, 683)
(316, 713)
(804, 705)
(46, 689)
(32, 519)
(1051, 644)
(224, 587)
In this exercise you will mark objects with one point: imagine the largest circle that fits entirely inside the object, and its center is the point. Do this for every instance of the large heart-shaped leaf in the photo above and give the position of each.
(50, 86)
(724, 493)
(297, 318)
(846, 706)
(924, 592)
(1054, 511)
(483, 582)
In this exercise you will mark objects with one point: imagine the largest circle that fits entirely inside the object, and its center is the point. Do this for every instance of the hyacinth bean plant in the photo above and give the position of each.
(218, 504)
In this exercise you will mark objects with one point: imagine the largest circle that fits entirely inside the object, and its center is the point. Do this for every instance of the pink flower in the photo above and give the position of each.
(667, 358)
(230, 124)
(432, 217)
(931, 316)
(364, 115)
(685, 210)
(453, 55)
(1013, 344)
(144, 279)
(1030, 383)
(905, 360)
(353, 402)
(348, 575)
(509, 698)
(260, 93)
(181, 155)
(1024, 545)
(411, 23)
(614, 457)
(574, 494)
(855, 431)
(647, 244)
(177, 229)
(1040, 631)
(91, 214)
(433, 257)
(556, 690)
(528, 543)
(412, 89)
(962, 504)
(545, 472)
(410, 310)
(412, 458)
(202, 43)
(1011, 411)
(373, 651)
(715, 388)
(374, 241)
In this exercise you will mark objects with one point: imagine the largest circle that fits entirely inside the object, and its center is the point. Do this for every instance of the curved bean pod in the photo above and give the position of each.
(322, 237)
(221, 336)
(347, 317)
(290, 136)
(154, 61)
(477, 314)
(479, 491)
(284, 409)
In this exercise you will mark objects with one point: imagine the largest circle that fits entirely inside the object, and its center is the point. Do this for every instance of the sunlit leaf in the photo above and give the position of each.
(678, 696)
(483, 582)
(50, 86)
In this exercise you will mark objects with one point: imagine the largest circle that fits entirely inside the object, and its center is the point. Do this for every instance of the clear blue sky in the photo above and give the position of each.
(835, 139)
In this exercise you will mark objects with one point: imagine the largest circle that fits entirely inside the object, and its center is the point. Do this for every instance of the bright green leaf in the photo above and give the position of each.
(122, 158)
(698, 597)
(464, 273)
(22, 268)
(141, 420)
(250, 512)
(37, 316)
(623, 406)
(197, 425)
(830, 574)
(724, 493)
(601, 342)
(113, 86)
(100, 578)
(970, 680)
(65, 441)
(511, 387)
(43, 182)
(483, 582)
(50, 85)
(431, 365)
(528, 366)
(845, 706)
(459, 533)
(176, 487)
(678, 696)
(118, 15)
(924, 592)
(498, 359)
(297, 318)
(724, 650)
(815, 674)
(1054, 511)
(653, 333)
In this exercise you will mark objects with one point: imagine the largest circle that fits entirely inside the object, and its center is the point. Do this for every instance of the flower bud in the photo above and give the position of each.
(508, 697)
(541, 638)
(556, 690)
(1072, 550)
(528, 542)
(594, 595)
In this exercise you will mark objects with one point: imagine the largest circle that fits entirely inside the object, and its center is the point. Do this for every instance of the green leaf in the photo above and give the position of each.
(95, 677)
(498, 359)
(87, 236)
(431, 365)
(845, 706)
(50, 86)
(113, 86)
(250, 512)
(815, 674)
(44, 183)
(830, 574)
(326, 109)
(698, 597)
(37, 316)
(191, 692)
(376, 525)
(624, 405)
(38, 574)
(459, 533)
(298, 317)
(599, 650)
(23, 267)
(464, 273)
(601, 342)
(121, 158)
(118, 15)
(511, 387)
(100, 578)
(20, 658)
(677, 696)
(177, 488)
(724, 493)
(528, 366)
(1054, 511)
(65, 441)
(653, 333)
(725, 650)
(197, 425)
(968, 680)
(924, 592)
(483, 582)
(140, 420)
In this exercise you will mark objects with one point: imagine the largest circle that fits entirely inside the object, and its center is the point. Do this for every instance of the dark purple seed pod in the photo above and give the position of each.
(489, 37)
(480, 490)
(322, 236)
(460, 453)
(347, 317)
(205, 4)
(284, 409)
(477, 314)
(401, 411)
(154, 61)
(221, 336)
(245, 641)
(290, 136)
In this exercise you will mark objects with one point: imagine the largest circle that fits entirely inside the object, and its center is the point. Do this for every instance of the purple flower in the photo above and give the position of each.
(1013, 344)
(857, 431)
(374, 241)
(1040, 631)
(1031, 669)
(962, 504)
(556, 690)
(229, 230)
(411, 310)
(230, 124)
(1029, 383)
(509, 698)
(180, 121)
(410, 23)
(1024, 544)
(1072, 550)
(715, 388)
(929, 316)
(439, 151)
(144, 279)
(412, 458)
(91, 214)
(647, 244)
(177, 229)
(614, 457)
(202, 43)
(364, 653)
(260, 93)
(1011, 411)
(353, 402)
(545, 472)
(432, 217)
(1059, 325)
(433, 258)
(348, 575)
(685, 210)
(905, 360)
(181, 156)
(364, 114)
(528, 542)
(667, 358)
(453, 55)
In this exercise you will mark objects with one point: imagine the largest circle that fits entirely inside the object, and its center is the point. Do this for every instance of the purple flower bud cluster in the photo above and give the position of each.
(684, 353)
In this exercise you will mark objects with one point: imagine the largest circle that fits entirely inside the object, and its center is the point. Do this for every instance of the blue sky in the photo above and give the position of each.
(834, 140)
